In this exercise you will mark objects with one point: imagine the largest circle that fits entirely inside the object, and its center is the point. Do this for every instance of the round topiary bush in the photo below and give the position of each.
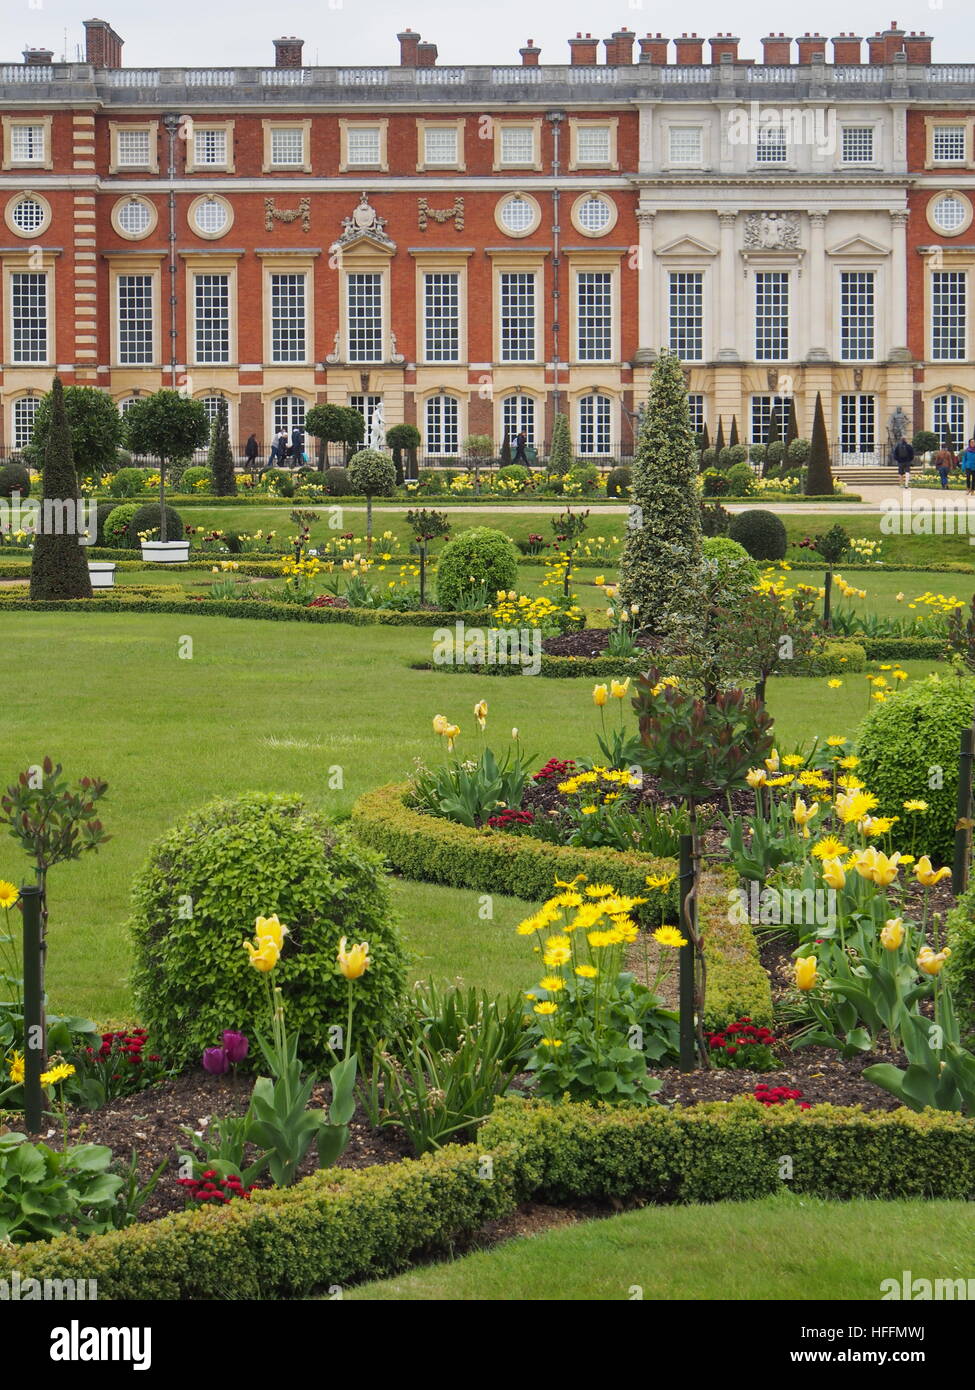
(775, 452)
(114, 531)
(128, 482)
(371, 474)
(741, 479)
(336, 482)
(14, 477)
(908, 749)
(709, 457)
(761, 533)
(147, 518)
(197, 480)
(619, 481)
(733, 569)
(478, 557)
(103, 511)
(514, 473)
(196, 900)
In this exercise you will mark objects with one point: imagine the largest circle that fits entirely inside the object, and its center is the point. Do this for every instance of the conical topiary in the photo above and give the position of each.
(560, 449)
(59, 568)
(660, 569)
(775, 425)
(792, 428)
(705, 437)
(733, 436)
(221, 456)
(719, 442)
(819, 475)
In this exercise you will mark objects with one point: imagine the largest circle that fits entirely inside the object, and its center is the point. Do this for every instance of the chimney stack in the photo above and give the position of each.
(653, 49)
(583, 51)
(530, 55)
(918, 48)
(876, 48)
(426, 54)
(619, 48)
(103, 47)
(724, 47)
(690, 50)
(408, 45)
(893, 41)
(287, 52)
(811, 46)
(847, 49)
(38, 57)
(776, 50)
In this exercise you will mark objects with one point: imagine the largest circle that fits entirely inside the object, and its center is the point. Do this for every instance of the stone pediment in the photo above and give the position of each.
(364, 227)
(686, 246)
(858, 246)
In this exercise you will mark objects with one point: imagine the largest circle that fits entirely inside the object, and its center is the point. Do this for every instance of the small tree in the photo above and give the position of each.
(166, 426)
(426, 527)
(568, 529)
(705, 438)
(400, 437)
(832, 545)
(335, 424)
(221, 456)
(479, 447)
(372, 474)
(775, 425)
(560, 450)
(506, 450)
(59, 568)
(819, 475)
(96, 430)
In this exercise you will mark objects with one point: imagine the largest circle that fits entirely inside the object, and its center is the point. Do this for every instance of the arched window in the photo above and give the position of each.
(125, 406)
(289, 413)
(949, 418)
(443, 425)
(518, 415)
(595, 430)
(25, 413)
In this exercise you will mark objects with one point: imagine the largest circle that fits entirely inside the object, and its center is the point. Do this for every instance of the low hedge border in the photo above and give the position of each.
(905, 648)
(946, 567)
(115, 602)
(440, 851)
(343, 1226)
(737, 983)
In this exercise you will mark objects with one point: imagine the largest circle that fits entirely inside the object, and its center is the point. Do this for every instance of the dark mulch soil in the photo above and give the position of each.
(150, 1121)
(822, 1076)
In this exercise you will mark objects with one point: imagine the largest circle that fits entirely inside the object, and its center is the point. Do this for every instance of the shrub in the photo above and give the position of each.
(741, 479)
(336, 482)
(282, 480)
(560, 449)
(714, 520)
(514, 473)
(430, 481)
(14, 477)
(762, 534)
(798, 451)
(960, 970)
(716, 483)
(128, 482)
(709, 457)
(619, 481)
(724, 457)
(147, 518)
(371, 473)
(775, 452)
(584, 476)
(899, 744)
(115, 531)
(925, 441)
(757, 453)
(735, 570)
(233, 861)
(478, 556)
(311, 478)
(192, 476)
(737, 453)
(102, 512)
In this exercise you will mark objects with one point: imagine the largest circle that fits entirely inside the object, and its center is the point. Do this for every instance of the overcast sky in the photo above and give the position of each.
(217, 33)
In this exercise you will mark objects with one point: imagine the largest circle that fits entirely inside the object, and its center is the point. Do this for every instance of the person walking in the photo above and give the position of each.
(250, 453)
(968, 467)
(520, 444)
(904, 457)
(278, 449)
(944, 462)
(297, 447)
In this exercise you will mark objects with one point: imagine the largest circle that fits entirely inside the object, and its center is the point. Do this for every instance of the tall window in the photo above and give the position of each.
(595, 425)
(133, 149)
(857, 146)
(367, 407)
(440, 145)
(518, 417)
(949, 317)
(948, 419)
(856, 315)
(289, 414)
(769, 411)
(287, 147)
(687, 314)
(594, 312)
(594, 144)
(441, 316)
(695, 406)
(858, 424)
(25, 413)
(288, 325)
(443, 425)
(212, 315)
(364, 292)
(213, 406)
(772, 315)
(518, 146)
(517, 316)
(27, 144)
(209, 146)
(364, 146)
(28, 308)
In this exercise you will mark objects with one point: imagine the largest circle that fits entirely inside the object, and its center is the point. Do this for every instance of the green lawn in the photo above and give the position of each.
(781, 1249)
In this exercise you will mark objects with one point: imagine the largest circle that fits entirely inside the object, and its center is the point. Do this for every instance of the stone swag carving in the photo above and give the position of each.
(273, 214)
(456, 213)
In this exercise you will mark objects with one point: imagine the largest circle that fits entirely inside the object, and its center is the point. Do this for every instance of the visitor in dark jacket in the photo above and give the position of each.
(968, 467)
(250, 452)
(904, 457)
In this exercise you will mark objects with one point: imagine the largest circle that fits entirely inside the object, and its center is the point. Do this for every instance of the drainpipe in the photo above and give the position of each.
(555, 119)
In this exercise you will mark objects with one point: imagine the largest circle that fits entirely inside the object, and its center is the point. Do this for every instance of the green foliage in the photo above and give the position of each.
(476, 558)
(716, 482)
(147, 518)
(660, 565)
(48, 1192)
(59, 566)
(336, 482)
(819, 475)
(757, 452)
(115, 530)
(582, 477)
(737, 983)
(960, 969)
(221, 458)
(371, 474)
(798, 451)
(335, 424)
(95, 424)
(192, 476)
(128, 482)
(166, 426)
(469, 795)
(911, 742)
(762, 533)
(774, 453)
(832, 544)
(479, 446)
(514, 473)
(619, 481)
(14, 477)
(234, 861)
(741, 479)
(925, 441)
(715, 520)
(560, 449)
(733, 568)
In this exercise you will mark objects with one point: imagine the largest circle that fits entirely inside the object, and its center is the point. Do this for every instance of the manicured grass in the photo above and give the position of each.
(905, 549)
(780, 1249)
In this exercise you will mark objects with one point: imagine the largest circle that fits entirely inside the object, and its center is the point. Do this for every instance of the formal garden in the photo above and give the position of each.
(514, 888)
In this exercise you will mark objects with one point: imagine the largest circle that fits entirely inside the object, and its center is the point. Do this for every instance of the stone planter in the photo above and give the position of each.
(102, 574)
(166, 552)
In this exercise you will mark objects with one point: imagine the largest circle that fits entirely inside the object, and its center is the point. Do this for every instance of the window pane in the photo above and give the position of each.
(593, 144)
(594, 291)
(517, 145)
(443, 430)
(764, 408)
(287, 146)
(517, 214)
(518, 417)
(772, 145)
(288, 338)
(212, 318)
(441, 317)
(949, 144)
(856, 315)
(517, 316)
(949, 213)
(363, 145)
(133, 148)
(28, 215)
(289, 414)
(687, 315)
(858, 424)
(134, 217)
(25, 413)
(686, 144)
(367, 407)
(365, 307)
(948, 315)
(695, 406)
(857, 144)
(135, 319)
(594, 425)
(594, 214)
(772, 316)
(28, 296)
(439, 146)
(211, 216)
(210, 147)
(27, 144)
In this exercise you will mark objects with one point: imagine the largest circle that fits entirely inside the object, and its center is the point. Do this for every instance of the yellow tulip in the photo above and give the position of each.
(264, 956)
(803, 814)
(450, 734)
(806, 976)
(928, 876)
(480, 712)
(355, 961)
(892, 934)
(600, 695)
(932, 962)
(440, 724)
(833, 874)
(269, 928)
(884, 869)
(618, 689)
(772, 761)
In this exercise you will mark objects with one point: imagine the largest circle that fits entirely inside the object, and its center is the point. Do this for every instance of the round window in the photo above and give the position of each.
(28, 215)
(594, 215)
(949, 213)
(210, 216)
(134, 217)
(518, 215)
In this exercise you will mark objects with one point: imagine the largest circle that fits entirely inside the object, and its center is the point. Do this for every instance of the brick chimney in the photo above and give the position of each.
(38, 57)
(690, 50)
(287, 52)
(103, 47)
(724, 46)
(876, 48)
(893, 41)
(776, 50)
(653, 49)
(847, 48)
(583, 51)
(619, 49)
(426, 54)
(811, 46)
(529, 55)
(408, 45)
(918, 47)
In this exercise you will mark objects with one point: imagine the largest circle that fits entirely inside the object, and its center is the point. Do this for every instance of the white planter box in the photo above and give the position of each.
(102, 574)
(166, 553)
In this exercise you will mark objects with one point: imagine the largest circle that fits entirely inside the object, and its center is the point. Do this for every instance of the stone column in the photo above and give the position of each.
(647, 315)
(727, 335)
(897, 350)
(817, 290)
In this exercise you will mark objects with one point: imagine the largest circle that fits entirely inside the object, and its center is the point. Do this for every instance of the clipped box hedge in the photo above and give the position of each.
(905, 648)
(115, 601)
(342, 1226)
(737, 983)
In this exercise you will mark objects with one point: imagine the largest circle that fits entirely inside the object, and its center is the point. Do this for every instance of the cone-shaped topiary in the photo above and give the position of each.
(221, 457)
(819, 475)
(59, 568)
(560, 450)
(792, 427)
(720, 442)
(660, 569)
(733, 438)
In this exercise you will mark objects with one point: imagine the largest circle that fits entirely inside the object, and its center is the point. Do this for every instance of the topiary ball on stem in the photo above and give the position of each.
(197, 898)
(762, 533)
(147, 518)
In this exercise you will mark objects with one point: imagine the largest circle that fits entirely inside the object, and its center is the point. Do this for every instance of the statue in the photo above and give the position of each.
(897, 426)
(377, 428)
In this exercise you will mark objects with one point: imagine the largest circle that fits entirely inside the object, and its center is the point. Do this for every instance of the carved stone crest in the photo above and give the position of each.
(425, 211)
(273, 214)
(771, 231)
(364, 224)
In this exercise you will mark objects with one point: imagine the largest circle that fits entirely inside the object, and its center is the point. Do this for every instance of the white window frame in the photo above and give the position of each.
(423, 164)
(148, 128)
(44, 159)
(430, 444)
(578, 124)
(348, 130)
(131, 272)
(611, 275)
(533, 124)
(963, 279)
(596, 427)
(673, 328)
(21, 431)
(205, 127)
(269, 128)
(303, 324)
(762, 274)
(844, 355)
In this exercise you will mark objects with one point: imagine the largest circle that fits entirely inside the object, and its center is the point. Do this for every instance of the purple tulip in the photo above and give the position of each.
(236, 1046)
(215, 1061)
